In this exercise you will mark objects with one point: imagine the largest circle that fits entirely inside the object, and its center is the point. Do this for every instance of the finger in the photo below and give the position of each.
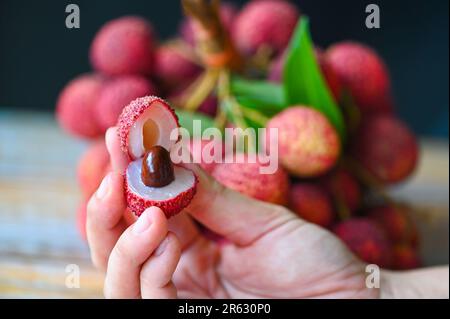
(104, 218)
(184, 228)
(156, 274)
(133, 248)
(236, 217)
(119, 160)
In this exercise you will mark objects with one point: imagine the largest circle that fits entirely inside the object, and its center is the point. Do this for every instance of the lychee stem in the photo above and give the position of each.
(255, 116)
(201, 89)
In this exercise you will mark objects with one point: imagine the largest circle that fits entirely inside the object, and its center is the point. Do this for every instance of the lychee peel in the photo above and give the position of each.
(342, 186)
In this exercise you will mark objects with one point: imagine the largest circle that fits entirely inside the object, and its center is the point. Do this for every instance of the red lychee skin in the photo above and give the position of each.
(124, 46)
(246, 178)
(92, 167)
(75, 109)
(267, 23)
(197, 145)
(363, 73)
(386, 148)
(173, 68)
(132, 112)
(366, 239)
(399, 226)
(342, 186)
(116, 94)
(311, 203)
(405, 257)
(308, 144)
(81, 217)
(170, 207)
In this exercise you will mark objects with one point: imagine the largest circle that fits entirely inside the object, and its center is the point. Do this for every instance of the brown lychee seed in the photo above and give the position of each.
(157, 168)
(146, 133)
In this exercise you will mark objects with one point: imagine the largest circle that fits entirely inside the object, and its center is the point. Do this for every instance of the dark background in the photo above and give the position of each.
(38, 55)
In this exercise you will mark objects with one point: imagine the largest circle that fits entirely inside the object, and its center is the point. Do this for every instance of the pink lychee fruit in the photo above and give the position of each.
(145, 123)
(124, 46)
(405, 257)
(308, 144)
(312, 203)
(243, 174)
(386, 148)
(92, 167)
(75, 109)
(344, 188)
(361, 71)
(117, 93)
(265, 23)
(366, 239)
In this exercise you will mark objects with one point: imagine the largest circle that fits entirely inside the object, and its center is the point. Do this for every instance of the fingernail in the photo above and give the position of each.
(162, 246)
(142, 224)
(103, 189)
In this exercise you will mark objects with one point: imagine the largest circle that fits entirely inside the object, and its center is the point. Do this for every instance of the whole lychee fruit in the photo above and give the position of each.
(117, 93)
(398, 225)
(344, 188)
(243, 175)
(312, 203)
(308, 144)
(366, 239)
(92, 167)
(265, 23)
(386, 148)
(124, 46)
(361, 71)
(405, 257)
(75, 109)
(148, 129)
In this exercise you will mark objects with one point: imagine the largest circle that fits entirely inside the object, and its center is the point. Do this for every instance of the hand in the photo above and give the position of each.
(270, 252)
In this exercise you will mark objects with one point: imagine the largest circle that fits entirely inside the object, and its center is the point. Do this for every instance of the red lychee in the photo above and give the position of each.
(361, 71)
(75, 109)
(308, 144)
(366, 239)
(405, 257)
(92, 167)
(398, 225)
(117, 93)
(265, 23)
(147, 122)
(344, 188)
(243, 175)
(386, 148)
(312, 203)
(124, 46)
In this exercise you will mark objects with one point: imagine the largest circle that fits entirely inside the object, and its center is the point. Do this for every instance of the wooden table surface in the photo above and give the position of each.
(39, 196)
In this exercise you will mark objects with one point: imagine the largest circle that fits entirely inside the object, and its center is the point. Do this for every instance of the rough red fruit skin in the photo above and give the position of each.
(366, 239)
(170, 207)
(399, 226)
(196, 147)
(75, 109)
(124, 46)
(405, 257)
(246, 179)
(311, 203)
(92, 167)
(81, 217)
(131, 114)
(116, 94)
(341, 185)
(173, 68)
(363, 73)
(308, 144)
(386, 148)
(265, 23)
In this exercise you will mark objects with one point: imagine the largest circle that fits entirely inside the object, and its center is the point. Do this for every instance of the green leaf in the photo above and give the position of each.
(187, 120)
(303, 82)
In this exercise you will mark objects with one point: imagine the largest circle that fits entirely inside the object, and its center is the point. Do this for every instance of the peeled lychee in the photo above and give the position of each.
(398, 225)
(366, 239)
(405, 257)
(92, 167)
(361, 71)
(386, 148)
(76, 104)
(241, 174)
(118, 93)
(344, 188)
(265, 23)
(147, 122)
(312, 203)
(124, 46)
(308, 144)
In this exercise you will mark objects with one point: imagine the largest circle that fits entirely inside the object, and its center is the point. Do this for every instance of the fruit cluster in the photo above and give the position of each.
(321, 177)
